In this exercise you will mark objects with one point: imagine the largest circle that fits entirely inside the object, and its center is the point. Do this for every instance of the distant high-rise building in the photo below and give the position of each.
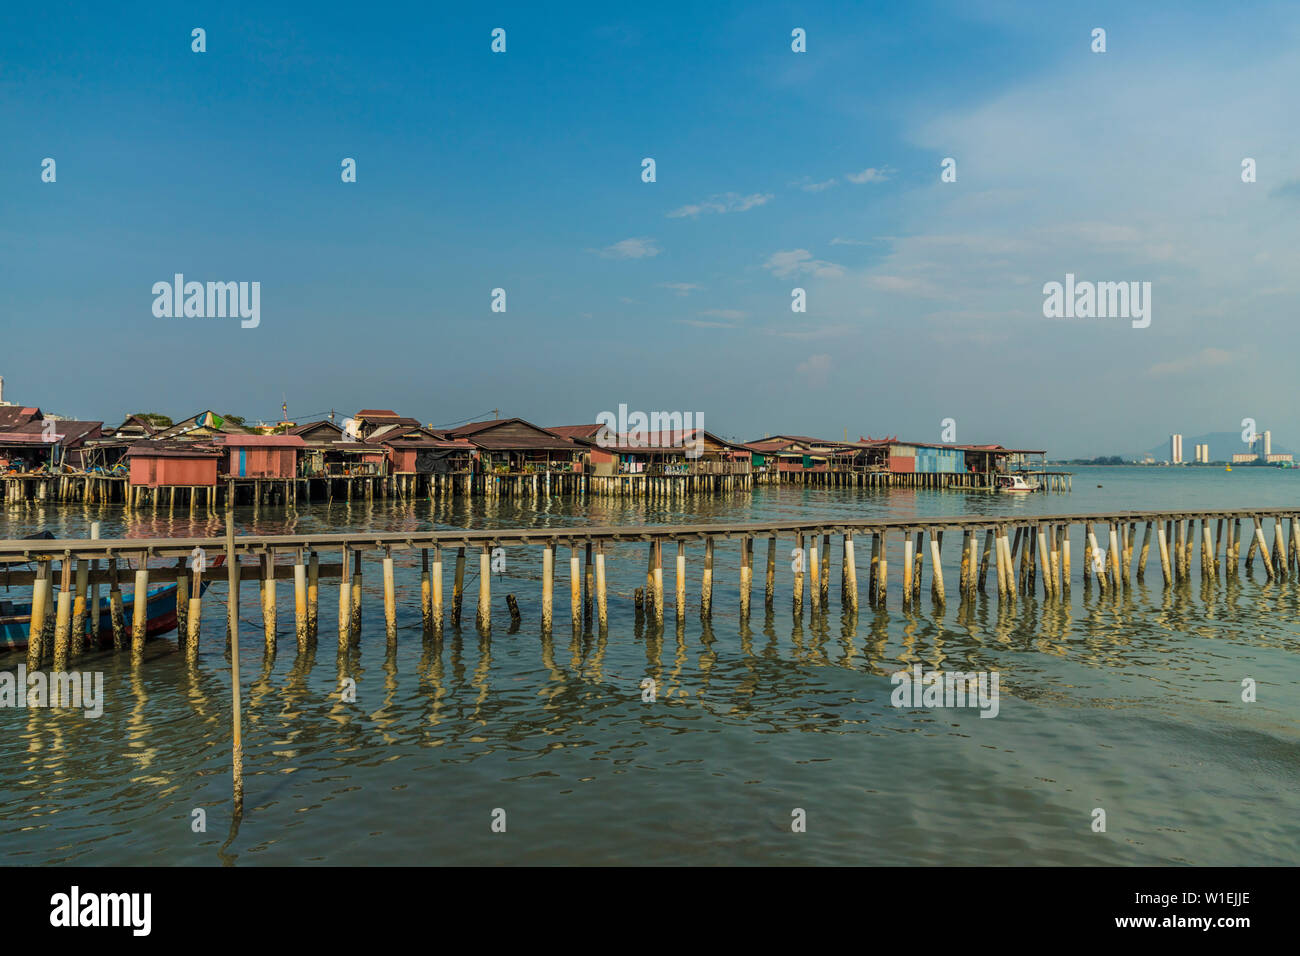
(1268, 444)
(1176, 449)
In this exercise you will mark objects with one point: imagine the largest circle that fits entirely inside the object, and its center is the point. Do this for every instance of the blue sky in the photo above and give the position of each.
(774, 170)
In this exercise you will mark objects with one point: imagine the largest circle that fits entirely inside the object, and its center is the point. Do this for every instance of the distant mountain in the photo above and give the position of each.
(1223, 445)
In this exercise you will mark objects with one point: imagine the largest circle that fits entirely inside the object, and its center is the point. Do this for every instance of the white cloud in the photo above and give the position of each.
(725, 313)
(681, 288)
(870, 175)
(726, 202)
(810, 187)
(801, 262)
(631, 249)
(815, 369)
(1205, 358)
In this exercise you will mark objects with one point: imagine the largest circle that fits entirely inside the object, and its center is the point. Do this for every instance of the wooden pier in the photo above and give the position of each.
(289, 492)
(1029, 556)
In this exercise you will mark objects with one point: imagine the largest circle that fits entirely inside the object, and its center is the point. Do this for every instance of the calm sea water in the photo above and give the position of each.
(1131, 704)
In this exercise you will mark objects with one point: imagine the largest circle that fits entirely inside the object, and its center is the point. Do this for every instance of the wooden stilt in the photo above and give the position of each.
(984, 560)
(426, 593)
(435, 598)
(484, 617)
(706, 584)
(194, 619)
(575, 586)
(63, 615)
(850, 574)
(301, 628)
(390, 597)
(548, 586)
(36, 622)
(268, 599)
(815, 576)
(355, 620)
(797, 596)
(345, 600)
(115, 615)
(907, 567)
(936, 566)
(458, 588)
(602, 609)
(78, 640)
(746, 573)
(769, 591)
(140, 610)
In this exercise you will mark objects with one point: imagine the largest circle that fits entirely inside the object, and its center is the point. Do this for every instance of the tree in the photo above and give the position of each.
(156, 419)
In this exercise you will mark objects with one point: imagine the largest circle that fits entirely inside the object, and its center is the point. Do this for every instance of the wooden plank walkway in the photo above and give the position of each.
(1026, 553)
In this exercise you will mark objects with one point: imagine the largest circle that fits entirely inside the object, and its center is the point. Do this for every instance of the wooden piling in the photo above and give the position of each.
(659, 581)
(140, 610)
(1065, 558)
(458, 587)
(36, 623)
(237, 744)
(575, 587)
(826, 571)
(345, 600)
(850, 574)
(194, 619)
(882, 572)
(268, 599)
(1114, 556)
(484, 617)
(746, 573)
(94, 588)
(435, 597)
(358, 591)
(984, 560)
(115, 615)
(301, 630)
(63, 616)
(390, 596)
(602, 608)
(706, 583)
(936, 567)
(1263, 549)
(182, 602)
(769, 591)
(1162, 541)
(78, 639)
(426, 593)
(548, 586)
(797, 592)
(1045, 558)
(815, 576)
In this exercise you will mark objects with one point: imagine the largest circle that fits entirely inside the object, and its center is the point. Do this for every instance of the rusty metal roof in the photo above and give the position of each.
(263, 441)
(172, 449)
(575, 431)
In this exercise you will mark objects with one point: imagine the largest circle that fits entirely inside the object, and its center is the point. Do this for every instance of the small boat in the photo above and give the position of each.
(1015, 483)
(1227, 468)
(160, 616)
